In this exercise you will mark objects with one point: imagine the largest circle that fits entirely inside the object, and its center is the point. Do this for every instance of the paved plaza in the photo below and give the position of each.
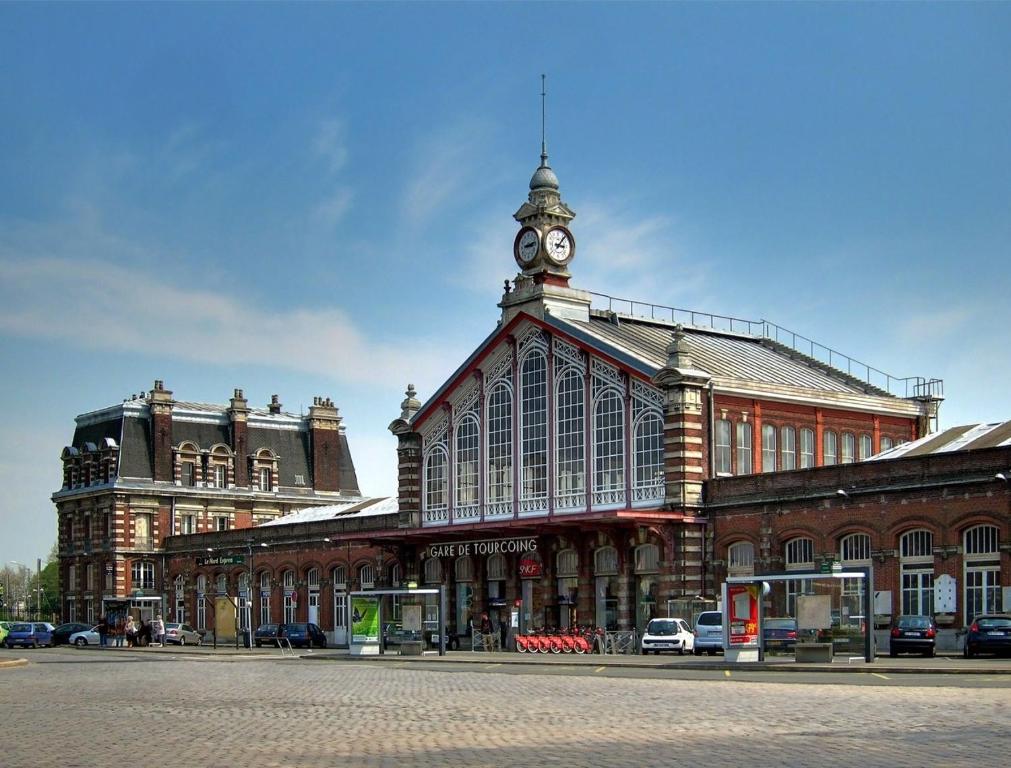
(71, 708)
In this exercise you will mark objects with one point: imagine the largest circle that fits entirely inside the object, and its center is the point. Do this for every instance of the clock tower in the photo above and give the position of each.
(543, 248)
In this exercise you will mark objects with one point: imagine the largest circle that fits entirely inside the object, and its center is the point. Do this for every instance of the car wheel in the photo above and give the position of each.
(182, 641)
(80, 642)
(200, 641)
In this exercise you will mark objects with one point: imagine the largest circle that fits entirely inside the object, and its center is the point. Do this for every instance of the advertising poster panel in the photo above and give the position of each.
(742, 600)
(364, 619)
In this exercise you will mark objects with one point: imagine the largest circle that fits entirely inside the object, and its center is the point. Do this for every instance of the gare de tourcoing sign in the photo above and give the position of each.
(485, 547)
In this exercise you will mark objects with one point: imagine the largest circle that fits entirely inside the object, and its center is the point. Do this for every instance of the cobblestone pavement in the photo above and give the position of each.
(124, 709)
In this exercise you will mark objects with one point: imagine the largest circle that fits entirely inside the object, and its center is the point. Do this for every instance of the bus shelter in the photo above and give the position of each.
(831, 608)
(367, 621)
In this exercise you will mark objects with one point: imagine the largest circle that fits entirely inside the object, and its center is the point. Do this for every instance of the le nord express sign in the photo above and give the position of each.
(486, 547)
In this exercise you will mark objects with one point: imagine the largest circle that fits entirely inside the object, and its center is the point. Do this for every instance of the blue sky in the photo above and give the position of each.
(317, 199)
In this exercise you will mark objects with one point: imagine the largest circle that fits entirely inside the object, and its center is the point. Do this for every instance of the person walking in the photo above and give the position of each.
(158, 631)
(103, 632)
(486, 633)
(131, 633)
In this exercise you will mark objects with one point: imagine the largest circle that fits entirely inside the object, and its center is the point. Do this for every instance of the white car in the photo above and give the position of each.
(667, 635)
(87, 637)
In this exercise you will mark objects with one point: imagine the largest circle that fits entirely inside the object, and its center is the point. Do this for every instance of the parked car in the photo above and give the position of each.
(62, 633)
(667, 635)
(181, 634)
(85, 637)
(913, 634)
(709, 633)
(30, 634)
(265, 633)
(304, 635)
(779, 634)
(990, 633)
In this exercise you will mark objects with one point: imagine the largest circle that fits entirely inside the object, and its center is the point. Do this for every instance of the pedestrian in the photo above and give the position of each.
(120, 632)
(143, 634)
(131, 633)
(487, 639)
(158, 631)
(103, 632)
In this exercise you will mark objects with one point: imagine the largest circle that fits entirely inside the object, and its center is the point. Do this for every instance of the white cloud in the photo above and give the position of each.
(51, 290)
(920, 327)
(330, 144)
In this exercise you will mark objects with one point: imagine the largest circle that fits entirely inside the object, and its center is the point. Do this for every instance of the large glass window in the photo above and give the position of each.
(981, 545)
(788, 448)
(799, 556)
(768, 448)
(142, 574)
(264, 597)
(500, 449)
(467, 441)
(849, 448)
(806, 448)
(722, 442)
(649, 451)
(534, 441)
(741, 559)
(436, 484)
(830, 448)
(289, 596)
(916, 560)
(744, 437)
(886, 443)
(570, 451)
(609, 447)
(865, 447)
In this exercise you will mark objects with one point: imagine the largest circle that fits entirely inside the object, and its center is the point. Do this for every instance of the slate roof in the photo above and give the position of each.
(364, 507)
(967, 437)
(720, 353)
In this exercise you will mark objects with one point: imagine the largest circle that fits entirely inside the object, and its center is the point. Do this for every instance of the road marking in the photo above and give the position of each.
(493, 666)
(881, 676)
(599, 669)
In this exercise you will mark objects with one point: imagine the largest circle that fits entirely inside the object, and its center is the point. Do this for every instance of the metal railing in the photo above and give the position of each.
(907, 386)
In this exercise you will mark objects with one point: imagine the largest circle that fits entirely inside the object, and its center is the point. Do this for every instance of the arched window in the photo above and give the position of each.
(264, 597)
(865, 447)
(436, 485)
(648, 456)
(290, 599)
(367, 576)
(496, 568)
(605, 561)
(830, 448)
(201, 601)
(534, 431)
(395, 577)
(647, 558)
(849, 448)
(886, 443)
(433, 571)
(570, 440)
(221, 584)
(312, 578)
(741, 559)
(745, 463)
(722, 447)
(500, 450)
(768, 448)
(340, 577)
(916, 561)
(467, 455)
(609, 448)
(981, 545)
(464, 569)
(788, 448)
(263, 470)
(568, 563)
(806, 448)
(855, 549)
(799, 554)
(218, 465)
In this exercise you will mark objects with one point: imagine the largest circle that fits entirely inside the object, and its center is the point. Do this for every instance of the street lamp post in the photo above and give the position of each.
(249, 593)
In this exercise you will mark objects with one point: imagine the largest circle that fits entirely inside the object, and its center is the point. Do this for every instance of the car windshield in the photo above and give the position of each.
(994, 622)
(780, 624)
(661, 627)
(268, 628)
(21, 628)
(914, 622)
(710, 619)
(173, 625)
(296, 627)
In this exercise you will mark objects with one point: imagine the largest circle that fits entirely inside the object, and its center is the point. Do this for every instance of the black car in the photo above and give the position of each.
(779, 634)
(61, 635)
(304, 635)
(913, 634)
(265, 633)
(990, 633)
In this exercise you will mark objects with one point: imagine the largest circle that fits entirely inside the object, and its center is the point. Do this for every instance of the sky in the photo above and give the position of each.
(317, 199)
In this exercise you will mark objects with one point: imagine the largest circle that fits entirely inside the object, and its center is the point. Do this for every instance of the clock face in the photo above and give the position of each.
(528, 242)
(558, 245)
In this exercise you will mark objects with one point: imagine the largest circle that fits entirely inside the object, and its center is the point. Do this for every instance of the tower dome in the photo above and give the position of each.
(544, 177)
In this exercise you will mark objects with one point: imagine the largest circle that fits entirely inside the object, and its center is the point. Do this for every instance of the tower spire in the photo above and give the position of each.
(544, 135)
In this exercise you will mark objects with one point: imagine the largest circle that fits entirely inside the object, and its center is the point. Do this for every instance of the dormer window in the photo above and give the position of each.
(265, 484)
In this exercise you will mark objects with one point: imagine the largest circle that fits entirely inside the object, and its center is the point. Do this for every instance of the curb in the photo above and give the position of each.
(13, 663)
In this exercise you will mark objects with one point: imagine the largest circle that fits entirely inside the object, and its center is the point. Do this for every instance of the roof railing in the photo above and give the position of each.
(908, 386)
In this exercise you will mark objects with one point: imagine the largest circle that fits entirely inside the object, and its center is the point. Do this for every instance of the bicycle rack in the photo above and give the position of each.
(282, 642)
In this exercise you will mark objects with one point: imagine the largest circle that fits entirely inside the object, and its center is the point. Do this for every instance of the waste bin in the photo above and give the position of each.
(247, 639)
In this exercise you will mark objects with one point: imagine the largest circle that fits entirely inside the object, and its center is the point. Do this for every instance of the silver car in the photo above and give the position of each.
(85, 637)
(182, 634)
(709, 633)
